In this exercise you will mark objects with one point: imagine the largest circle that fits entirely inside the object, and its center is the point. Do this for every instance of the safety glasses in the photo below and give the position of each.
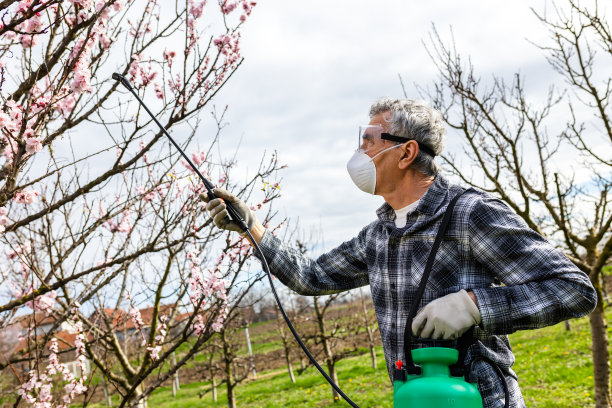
(372, 137)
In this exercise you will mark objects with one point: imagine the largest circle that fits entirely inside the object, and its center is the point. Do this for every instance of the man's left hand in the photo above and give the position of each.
(447, 317)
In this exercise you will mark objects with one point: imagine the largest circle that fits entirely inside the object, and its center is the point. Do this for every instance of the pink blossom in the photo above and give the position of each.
(133, 71)
(159, 92)
(196, 10)
(136, 317)
(25, 197)
(28, 40)
(124, 224)
(105, 42)
(198, 158)
(168, 56)
(43, 303)
(15, 109)
(66, 105)
(199, 326)
(223, 178)
(82, 76)
(33, 145)
(154, 352)
(34, 24)
(5, 120)
(227, 7)
(148, 196)
(187, 166)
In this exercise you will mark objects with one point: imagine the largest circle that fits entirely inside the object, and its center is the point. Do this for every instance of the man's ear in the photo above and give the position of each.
(410, 150)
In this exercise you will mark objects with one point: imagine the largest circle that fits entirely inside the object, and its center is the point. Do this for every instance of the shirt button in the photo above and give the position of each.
(393, 325)
(393, 286)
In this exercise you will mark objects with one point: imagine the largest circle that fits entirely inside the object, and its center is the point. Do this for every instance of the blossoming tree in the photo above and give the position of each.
(98, 215)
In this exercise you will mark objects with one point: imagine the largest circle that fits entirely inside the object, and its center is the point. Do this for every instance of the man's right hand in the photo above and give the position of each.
(219, 214)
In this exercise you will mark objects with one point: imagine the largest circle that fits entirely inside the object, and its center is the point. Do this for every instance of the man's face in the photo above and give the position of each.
(387, 170)
(371, 143)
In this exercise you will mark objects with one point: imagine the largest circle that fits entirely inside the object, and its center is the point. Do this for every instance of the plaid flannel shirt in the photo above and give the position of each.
(519, 279)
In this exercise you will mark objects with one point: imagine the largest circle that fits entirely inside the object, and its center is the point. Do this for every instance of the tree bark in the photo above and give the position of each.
(251, 359)
(372, 349)
(231, 395)
(329, 355)
(289, 365)
(369, 329)
(214, 388)
(230, 380)
(331, 369)
(599, 343)
(106, 394)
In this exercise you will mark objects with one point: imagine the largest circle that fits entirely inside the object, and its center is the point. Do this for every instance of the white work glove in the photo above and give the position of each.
(219, 214)
(447, 317)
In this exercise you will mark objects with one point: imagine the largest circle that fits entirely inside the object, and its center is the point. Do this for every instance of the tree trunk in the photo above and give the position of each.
(231, 395)
(372, 350)
(331, 369)
(329, 354)
(369, 329)
(289, 365)
(230, 379)
(106, 394)
(601, 355)
(175, 379)
(214, 388)
(251, 359)
(142, 402)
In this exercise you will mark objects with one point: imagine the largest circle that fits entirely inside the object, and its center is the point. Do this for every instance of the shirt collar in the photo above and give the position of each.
(432, 200)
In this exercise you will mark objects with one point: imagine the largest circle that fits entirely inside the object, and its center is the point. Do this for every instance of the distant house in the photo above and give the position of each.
(123, 324)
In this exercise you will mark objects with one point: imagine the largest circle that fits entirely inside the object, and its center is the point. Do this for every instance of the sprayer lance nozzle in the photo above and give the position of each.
(122, 79)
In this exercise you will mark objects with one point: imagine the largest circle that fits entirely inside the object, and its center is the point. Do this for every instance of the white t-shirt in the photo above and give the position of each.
(400, 215)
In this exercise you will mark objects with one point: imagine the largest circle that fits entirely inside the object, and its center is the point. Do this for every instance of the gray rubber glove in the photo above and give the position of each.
(219, 214)
(447, 317)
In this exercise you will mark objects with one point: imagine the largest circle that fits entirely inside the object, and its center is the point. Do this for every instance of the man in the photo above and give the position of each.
(491, 273)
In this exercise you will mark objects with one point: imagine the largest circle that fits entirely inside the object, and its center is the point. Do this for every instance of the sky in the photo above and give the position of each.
(313, 68)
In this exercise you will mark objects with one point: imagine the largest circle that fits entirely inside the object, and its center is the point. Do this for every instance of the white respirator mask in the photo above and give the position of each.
(362, 170)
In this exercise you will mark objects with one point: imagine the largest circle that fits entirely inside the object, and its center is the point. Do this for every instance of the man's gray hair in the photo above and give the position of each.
(418, 121)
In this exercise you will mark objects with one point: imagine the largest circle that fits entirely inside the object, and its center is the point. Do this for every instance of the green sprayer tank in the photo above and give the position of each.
(435, 387)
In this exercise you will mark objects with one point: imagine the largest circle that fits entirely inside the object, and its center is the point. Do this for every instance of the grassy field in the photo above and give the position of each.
(553, 365)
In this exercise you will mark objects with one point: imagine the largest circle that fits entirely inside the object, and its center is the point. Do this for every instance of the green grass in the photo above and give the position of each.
(554, 368)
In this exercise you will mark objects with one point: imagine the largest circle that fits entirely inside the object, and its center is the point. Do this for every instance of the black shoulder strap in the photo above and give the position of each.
(411, 368)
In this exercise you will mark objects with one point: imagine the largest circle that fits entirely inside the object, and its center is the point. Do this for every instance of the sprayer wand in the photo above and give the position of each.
(235, 216)
(209, 186)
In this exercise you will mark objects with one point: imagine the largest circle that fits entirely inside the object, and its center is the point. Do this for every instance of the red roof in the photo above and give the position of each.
(121, 320)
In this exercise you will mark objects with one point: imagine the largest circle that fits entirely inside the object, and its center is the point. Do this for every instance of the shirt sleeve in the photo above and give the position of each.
(340, 269)
(541, 286)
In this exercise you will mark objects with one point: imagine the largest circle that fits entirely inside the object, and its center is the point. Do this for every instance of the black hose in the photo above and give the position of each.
(295, 334)
(235, 216)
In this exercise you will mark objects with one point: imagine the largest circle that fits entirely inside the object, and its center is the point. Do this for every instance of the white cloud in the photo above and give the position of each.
(312, 69)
